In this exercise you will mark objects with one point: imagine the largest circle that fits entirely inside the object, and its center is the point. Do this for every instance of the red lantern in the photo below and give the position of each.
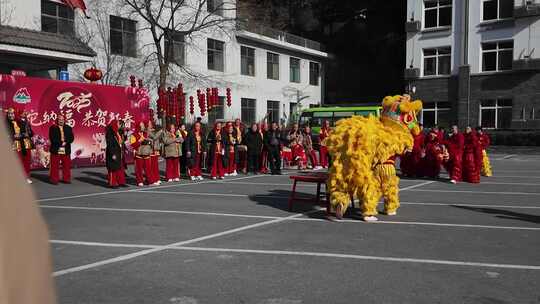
(203, 105)
(191, 105)
(209, 98)
(229, 98)
(93, 74)
(140, 84)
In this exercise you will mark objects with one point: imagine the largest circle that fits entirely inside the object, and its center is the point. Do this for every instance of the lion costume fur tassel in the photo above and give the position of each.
(363, 151)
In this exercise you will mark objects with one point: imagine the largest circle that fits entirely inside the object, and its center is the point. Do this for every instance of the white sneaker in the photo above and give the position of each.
(391, 213)
(140, 184)
(170, 180)
(453, 181)
(156, 184)
(214, 178)
(227, 174)
(235, 173)
(177, 179)
(221, 177)
(200, 178)
(28, 180)
(370, 219)
(193, 178)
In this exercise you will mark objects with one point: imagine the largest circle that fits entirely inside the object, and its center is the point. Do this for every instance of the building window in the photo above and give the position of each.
(248, 111)
(272, 110)
(437, 13)
(436, 114)
(215, 7)
(496, 113)
(216, 55)
(295, 70)
(56, 18)
(497, 9)
(272, 67)
(437, 61)
(497, 56)
(247, 58)
(217, 111)
(314, 73)
(175, 50)
(123, 36)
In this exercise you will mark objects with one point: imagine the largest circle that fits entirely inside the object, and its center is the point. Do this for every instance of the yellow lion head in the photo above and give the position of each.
(400, 110)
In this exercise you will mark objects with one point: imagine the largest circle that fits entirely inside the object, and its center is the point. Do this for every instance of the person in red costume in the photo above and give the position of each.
(323, 150)
(21, 135)
(471, 171)
(411, 161)
(114, 156)
(61, 138)
(195, 150)
(231, 151)
(455, 143)
(154, 134)
(216, 144)
(142, 146)
(239, 132)
(431, 165)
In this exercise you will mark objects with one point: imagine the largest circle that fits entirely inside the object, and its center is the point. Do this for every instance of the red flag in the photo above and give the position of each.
(77, 4)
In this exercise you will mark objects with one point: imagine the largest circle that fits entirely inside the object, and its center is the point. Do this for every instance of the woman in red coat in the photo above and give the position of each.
(455, 144)
(411, 162)
(433, 157)
(471, 171)
(323, 150)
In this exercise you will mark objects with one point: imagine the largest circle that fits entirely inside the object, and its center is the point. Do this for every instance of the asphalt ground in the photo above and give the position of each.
(234, 241)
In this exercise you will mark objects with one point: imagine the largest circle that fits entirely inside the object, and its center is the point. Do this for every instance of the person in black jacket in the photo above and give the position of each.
(272, 141)
(114, 156)
(61, 138)
(254, 143)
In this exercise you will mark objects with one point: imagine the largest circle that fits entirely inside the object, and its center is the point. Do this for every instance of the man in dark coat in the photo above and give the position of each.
(114, 156)
(272, 141)
(195, 149)
(61, 138)
(254, 143)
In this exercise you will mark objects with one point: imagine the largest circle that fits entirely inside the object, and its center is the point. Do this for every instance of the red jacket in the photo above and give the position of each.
(485, 141)
(455, 143)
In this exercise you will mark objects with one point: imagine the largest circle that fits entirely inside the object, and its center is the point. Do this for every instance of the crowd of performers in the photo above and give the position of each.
(227, 149)
(462, 154)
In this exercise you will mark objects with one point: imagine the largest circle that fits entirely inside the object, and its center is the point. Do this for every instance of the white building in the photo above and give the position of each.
(476, 62)
(270, 72)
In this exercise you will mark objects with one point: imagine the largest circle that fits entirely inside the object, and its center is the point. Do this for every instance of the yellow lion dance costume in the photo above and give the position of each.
(363, 150)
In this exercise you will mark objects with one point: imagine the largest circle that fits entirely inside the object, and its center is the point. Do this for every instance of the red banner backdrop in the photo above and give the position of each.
(88, 109)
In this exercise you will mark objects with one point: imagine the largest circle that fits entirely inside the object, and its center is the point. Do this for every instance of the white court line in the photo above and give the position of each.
(294, 219)
(139, 189)
(363, 257)
(182, 243)
(304, 253)
(477, 192)
(471, 205)
(193, 193)
(416, 186)
(510, 184)
(514, 176)
(160, 211)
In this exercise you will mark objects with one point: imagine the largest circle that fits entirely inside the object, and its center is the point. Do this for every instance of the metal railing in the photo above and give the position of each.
(280, 35)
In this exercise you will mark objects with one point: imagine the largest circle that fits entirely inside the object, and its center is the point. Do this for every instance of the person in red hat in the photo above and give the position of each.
(195, 150)
(114, 156)
(21, 135)
(61, 137)
(142, 147)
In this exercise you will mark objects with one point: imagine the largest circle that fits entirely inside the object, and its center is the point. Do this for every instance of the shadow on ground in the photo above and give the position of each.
(504, 214)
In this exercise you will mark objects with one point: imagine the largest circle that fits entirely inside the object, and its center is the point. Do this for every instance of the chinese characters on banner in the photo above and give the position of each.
(88, 109)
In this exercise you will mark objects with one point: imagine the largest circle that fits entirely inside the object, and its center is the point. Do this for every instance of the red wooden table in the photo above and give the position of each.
(318, 178)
